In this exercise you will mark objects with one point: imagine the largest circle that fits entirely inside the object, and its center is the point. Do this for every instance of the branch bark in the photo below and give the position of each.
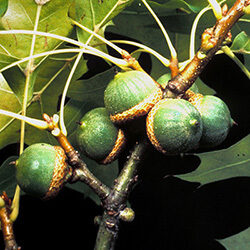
(212, 40)
(116, 201)
(7, 225)
(80, 170)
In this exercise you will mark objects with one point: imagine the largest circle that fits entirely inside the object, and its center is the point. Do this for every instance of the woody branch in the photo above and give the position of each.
(211, 41)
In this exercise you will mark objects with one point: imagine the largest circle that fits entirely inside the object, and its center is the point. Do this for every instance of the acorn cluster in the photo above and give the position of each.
(173, 126)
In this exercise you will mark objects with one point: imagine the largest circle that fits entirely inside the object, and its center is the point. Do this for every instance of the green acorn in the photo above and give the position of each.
(131, 94)
(216, 119)
(41, 170)
(174, 126)
(98, 137)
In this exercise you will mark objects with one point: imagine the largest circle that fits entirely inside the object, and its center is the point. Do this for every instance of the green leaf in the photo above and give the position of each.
(91, 90)
(95, 14)
(3, 7)
(21, 14)
(222, 164)
(16, 81)
(241, 43)
(237, 242)
(7, 177)
(49, 84)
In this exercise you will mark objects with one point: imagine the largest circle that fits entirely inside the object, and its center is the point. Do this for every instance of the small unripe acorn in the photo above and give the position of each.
(131, 94)
(174, 126)
(98, 138)
(216, 119)
(41, 170)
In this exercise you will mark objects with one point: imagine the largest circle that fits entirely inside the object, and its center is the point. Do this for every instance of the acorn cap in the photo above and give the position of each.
(41, 170)
(131, 94)
(119, 143)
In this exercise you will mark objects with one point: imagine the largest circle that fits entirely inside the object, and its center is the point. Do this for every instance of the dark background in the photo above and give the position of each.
(170, 213)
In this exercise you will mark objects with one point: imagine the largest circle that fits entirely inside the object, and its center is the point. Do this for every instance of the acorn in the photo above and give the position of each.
(216, 119)
(98, 138)
(41, 170)
(174, 126)
(131, 94)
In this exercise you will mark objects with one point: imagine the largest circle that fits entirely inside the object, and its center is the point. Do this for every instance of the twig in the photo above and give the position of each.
(7, 225)
(115, 203)
(81, 172)
(212, 40)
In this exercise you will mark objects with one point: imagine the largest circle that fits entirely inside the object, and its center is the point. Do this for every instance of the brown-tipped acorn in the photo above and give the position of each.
(174, 126)
(215, 117)
(98, 138)
(41, 170)
(131, 94)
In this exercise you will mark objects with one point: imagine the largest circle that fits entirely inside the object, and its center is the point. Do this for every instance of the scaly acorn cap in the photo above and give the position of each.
(41, 170)
(131, 94)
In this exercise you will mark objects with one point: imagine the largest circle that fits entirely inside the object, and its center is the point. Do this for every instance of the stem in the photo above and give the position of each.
(170, 45)
(118, 49)
(65, 90)
(230, 54)
(216, 9)
(90, 50)
(105, 238)
(27, 81)
(161, 58)
(7, 224)
(116, 201)
(81, 172)
(193, 32)
(31, 121)
(7, 229)
(29, 70)
(116, 61)
(212, 40)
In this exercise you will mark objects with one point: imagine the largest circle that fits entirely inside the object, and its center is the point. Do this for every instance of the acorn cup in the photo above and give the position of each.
(131, 94)
(98, 138)
(174, 126)
(216, 119)
(41, 170)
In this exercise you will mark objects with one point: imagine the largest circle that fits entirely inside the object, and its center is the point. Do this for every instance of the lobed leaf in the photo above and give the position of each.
(95, 14)
(238, 241)
(21, 14)
(222, 164)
